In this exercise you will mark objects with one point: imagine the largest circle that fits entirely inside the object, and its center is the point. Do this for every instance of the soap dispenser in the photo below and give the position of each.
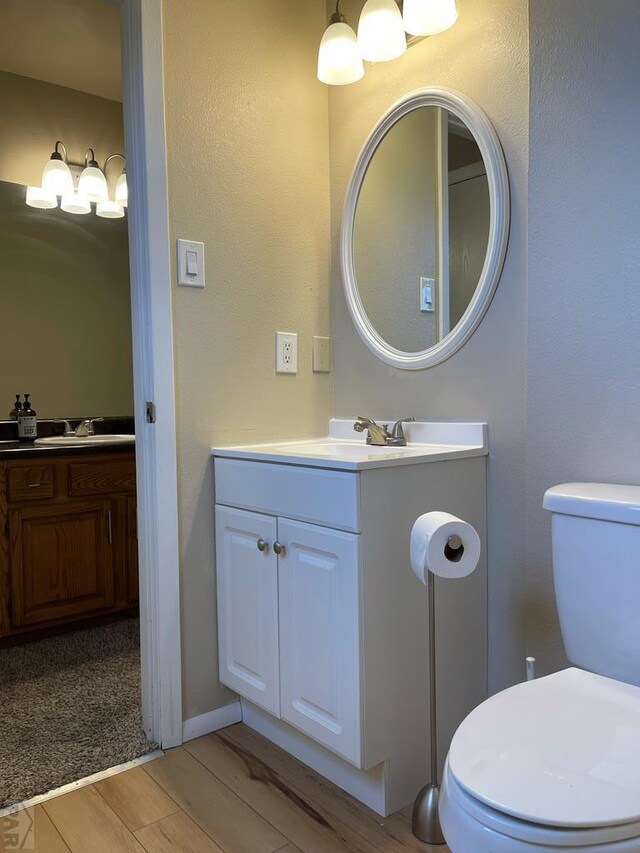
(17, 408)
(27, 422)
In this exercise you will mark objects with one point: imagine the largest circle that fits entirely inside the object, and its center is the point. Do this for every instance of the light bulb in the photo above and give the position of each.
(429, 17)
(122, 190)
(339, 61)
(41, 198)
(381, 31)
(56, 176)
(92, 184)
(75, 203)
(109, 210)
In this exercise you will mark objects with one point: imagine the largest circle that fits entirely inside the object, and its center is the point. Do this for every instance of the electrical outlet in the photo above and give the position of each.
(286, 352)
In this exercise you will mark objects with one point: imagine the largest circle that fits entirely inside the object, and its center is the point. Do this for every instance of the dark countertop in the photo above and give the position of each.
(11, 448)
(27, 449)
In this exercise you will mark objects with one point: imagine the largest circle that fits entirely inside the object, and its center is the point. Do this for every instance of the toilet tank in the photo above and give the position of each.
(596, 569)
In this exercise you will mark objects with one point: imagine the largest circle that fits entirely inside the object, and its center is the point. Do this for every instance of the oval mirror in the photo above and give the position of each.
(425, 228)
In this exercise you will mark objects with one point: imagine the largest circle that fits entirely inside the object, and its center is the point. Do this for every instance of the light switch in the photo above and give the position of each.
(190, 263)
(427, 294)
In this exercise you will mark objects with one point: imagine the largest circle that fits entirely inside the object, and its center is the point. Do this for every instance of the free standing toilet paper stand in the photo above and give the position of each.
(425, 821)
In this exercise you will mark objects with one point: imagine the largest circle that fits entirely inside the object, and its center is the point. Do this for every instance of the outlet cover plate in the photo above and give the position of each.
(286, 352)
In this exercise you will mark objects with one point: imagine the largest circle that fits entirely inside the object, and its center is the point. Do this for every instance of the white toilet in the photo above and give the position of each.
(553, 765)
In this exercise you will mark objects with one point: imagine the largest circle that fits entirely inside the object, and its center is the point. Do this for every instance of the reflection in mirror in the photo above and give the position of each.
(421, 228)
(66, 318)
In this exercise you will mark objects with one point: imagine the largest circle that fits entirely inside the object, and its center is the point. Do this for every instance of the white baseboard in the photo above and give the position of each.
(204, 724)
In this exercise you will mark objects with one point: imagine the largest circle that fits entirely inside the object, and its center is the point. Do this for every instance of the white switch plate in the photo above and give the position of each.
(321, 355)
(190, 263)
(286, 352)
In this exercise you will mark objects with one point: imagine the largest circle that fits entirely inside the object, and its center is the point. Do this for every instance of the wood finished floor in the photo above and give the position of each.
(230, 792)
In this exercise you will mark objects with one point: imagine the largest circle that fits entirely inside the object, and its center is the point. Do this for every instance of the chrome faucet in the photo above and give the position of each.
(379, 435)
(84, 428)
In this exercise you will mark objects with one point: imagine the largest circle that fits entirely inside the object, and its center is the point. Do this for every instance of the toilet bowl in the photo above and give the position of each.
(549, 765)
(553, 765)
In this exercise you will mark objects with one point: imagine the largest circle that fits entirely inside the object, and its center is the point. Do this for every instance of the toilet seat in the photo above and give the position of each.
(477, 827)
(561, 751)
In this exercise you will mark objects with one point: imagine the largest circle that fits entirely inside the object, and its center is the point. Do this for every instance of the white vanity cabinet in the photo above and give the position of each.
(289, 623)
(322, 625)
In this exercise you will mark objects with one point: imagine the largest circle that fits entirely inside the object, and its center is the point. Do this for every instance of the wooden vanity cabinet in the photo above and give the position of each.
(68, 546)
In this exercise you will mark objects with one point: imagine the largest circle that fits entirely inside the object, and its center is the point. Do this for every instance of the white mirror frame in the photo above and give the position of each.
(498, 181)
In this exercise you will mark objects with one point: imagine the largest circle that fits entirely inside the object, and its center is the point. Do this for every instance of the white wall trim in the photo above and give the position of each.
(156, 459)
(212, 721)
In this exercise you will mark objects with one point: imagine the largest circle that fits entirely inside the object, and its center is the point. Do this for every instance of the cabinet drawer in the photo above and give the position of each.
(31, 483)
(321, 496)
(101, 478)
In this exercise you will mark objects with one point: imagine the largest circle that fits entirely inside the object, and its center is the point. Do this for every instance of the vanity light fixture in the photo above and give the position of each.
(381, 35)
(339, 60)
(58, 180)
(381, 31)
(428, 17)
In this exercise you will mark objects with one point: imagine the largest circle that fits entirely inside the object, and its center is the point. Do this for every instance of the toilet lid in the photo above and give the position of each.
(562, 751)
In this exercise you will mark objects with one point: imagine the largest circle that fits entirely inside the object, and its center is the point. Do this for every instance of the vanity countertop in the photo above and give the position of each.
(344, 449)
(27, 449)
(11, 448)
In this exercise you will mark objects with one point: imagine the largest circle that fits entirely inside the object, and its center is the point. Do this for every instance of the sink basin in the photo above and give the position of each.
(427, 442)
(84, 441)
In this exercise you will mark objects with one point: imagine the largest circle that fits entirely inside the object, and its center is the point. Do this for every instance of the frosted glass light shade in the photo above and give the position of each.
(339, 61)
(56, 177)
(122, 190)
(381, 31)
(75, 203)
(41, 198)
(109, 210)
(93, 184)
(429, 17)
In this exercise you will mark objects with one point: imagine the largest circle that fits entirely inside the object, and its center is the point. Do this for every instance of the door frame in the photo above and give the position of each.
(153, 369)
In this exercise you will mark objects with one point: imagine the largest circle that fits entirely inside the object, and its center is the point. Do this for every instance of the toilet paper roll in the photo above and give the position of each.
(444, 545)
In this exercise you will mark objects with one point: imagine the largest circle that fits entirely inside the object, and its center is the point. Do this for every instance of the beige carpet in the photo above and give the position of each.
(70, 706)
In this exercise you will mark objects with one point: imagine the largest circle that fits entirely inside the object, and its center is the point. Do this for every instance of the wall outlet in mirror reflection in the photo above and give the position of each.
(427, 294)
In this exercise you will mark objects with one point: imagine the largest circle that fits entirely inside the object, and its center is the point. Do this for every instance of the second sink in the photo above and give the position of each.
(83, 441)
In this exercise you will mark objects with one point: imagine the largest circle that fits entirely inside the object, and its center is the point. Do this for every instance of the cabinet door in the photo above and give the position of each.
(248, 605)
(61, 561)
(320, 635)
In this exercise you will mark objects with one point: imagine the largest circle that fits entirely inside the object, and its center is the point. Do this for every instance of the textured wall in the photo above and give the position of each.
(584, 270)
(248, 175)
(64, 279)
(484, 56)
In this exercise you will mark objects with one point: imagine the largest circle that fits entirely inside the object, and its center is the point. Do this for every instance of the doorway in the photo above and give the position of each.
(153, 396)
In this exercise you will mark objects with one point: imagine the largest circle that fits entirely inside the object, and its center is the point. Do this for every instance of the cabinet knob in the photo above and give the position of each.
(262, 545)
(279, 548)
